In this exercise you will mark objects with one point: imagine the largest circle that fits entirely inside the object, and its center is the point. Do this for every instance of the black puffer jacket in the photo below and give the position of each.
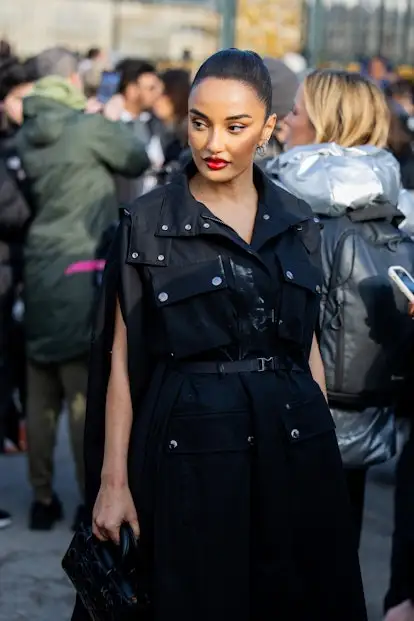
(14, 216)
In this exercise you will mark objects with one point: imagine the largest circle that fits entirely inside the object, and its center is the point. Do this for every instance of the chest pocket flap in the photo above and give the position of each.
(146, 248)
(179, 283)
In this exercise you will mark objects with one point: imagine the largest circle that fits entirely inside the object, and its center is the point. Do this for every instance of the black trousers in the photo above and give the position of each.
(402, 558)
(356, 479)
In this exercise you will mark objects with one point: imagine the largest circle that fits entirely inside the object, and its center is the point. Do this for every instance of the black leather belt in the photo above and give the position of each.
(249, 365)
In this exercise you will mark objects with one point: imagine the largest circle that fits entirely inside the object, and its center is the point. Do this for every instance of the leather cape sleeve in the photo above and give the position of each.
(122, 281)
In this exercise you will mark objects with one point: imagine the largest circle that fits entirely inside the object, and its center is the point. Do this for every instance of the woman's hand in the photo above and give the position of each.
(403, 612)
(411, 309)
(113, 507)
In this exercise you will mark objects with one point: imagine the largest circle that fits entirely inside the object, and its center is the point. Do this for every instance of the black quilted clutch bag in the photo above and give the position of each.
(108, 577)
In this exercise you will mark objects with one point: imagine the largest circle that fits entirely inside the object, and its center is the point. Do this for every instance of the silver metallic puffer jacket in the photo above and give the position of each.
(334, 181)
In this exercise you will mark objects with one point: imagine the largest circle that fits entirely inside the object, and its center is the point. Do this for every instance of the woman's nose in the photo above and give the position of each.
(216, 141)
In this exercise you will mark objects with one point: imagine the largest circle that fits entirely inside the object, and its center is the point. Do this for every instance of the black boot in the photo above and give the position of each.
(5, 519)
(44, 517)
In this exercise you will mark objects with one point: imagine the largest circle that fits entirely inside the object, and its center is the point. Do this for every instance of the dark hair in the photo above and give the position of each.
(13, 73)
(401, 88)
(93, 53)
(5, 49)
(30, 67)
(131, 69)
(177, 86)
(400, 135)
(240, 65)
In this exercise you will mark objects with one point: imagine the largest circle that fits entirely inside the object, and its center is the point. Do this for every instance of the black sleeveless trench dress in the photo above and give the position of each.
(233, 466)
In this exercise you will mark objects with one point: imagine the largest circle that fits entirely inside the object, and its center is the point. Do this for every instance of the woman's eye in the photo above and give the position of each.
(198, 124)
(235, 129)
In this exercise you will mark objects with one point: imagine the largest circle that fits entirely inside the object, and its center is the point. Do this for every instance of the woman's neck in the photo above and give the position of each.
(240, 190)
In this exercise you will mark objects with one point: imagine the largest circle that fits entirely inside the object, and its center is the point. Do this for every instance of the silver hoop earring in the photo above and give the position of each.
(261, 149)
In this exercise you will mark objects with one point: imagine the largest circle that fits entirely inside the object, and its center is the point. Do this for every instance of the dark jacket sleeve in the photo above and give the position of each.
(14, 211)
(116, 147)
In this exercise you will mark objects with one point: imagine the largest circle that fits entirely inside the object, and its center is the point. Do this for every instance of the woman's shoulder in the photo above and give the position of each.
(148, 201)
(149, 205)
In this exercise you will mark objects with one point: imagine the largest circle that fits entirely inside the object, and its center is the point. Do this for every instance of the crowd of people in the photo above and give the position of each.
(191, 277)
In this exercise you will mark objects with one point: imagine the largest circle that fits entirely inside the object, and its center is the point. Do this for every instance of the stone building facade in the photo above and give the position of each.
(133, 28)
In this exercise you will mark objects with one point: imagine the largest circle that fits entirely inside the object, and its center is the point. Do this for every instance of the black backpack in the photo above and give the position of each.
(367, 336)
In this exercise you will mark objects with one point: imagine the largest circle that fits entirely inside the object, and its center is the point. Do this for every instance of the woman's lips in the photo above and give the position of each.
(216, 164)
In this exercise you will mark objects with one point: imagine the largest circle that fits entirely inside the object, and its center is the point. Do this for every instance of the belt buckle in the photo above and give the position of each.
(266, 364)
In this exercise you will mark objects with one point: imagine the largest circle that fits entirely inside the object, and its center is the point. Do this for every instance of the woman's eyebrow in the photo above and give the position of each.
(198, 113)
(234, 117)
(238, 117)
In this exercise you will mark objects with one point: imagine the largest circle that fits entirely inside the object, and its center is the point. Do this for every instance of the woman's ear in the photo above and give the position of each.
(269, 128)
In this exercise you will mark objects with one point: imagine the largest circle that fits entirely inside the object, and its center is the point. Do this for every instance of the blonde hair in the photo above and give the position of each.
(346, 108)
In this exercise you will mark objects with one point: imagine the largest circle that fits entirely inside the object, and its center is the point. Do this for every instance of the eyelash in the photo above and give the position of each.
(198, 125)
(234, 129)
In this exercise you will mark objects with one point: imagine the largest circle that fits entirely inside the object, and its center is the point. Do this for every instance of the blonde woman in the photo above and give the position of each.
(336, 161)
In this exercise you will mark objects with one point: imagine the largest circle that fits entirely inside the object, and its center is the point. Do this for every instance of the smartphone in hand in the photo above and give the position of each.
(403, 280)
(109, 86)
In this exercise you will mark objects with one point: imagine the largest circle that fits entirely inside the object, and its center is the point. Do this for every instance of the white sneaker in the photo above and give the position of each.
(5, 519)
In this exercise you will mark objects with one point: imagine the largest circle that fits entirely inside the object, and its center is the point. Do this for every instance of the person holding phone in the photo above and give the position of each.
(399, 600)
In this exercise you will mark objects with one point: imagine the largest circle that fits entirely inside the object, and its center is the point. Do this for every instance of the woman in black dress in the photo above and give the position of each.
(217, 445)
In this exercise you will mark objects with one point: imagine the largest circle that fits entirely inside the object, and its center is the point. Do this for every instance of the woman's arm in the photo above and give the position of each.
(118, 415)
(316, 366)
(114, 504)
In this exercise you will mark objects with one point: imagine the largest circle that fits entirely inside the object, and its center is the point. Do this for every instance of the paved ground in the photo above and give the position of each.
(33, 587)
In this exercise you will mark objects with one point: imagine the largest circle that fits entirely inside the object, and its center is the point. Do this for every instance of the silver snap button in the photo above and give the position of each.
(206, 225)
(160, 257)
(163, 297)
(135, 255)
(295, 434)
(250, 440)
(318, 289)
(287, 406)
(164, 227)
(299, 227)
(266, 216)
(317, 220)
(289, 275)
(173, 445)
(217, 281)
(188, 227)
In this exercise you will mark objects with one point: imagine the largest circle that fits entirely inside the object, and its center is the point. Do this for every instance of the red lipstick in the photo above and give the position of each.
(215, 163)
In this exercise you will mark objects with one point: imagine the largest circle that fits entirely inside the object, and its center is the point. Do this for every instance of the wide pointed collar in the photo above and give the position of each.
(183, 216)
